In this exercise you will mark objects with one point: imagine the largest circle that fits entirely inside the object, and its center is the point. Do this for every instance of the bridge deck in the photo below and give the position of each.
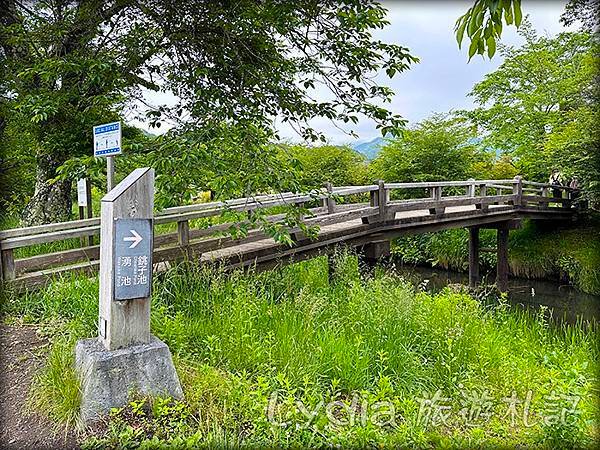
(354, 232)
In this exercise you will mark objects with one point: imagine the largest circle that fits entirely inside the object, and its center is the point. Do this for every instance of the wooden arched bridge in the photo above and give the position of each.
(360, 216)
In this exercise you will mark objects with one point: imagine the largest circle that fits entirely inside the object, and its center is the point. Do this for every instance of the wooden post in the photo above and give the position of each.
(373, 203)
(471, 188)
(436, 194)
(183, 235)
(502, 258)
(382, 200)
(328, 202)
(124, 323)
(482, 193)
(545, 192)
(566, 204)
(7, 264)
(518, 191)
(473, 256)
(82, 239)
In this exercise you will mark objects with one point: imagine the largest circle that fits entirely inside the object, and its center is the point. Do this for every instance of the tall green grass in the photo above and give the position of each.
(237, 338)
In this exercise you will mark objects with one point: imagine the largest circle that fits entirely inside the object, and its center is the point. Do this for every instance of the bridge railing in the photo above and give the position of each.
(328, 206)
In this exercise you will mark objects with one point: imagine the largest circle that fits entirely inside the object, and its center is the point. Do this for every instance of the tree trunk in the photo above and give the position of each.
(51, 202)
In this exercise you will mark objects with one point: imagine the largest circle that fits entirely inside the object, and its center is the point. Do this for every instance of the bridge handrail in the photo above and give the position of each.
(551, 186)
(430, 184)
(379, 208)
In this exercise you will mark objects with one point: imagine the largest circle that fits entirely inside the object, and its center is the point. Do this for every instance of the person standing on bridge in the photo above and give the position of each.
(555, 180)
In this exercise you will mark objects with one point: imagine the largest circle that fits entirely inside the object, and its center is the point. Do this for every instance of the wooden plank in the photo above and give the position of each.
(432, 184)
(499, 186)
(39, 229)
(24, 241)
(355, 190)
(46, 261)
(542, 200)
(547, 185)
(38, 280)
(445, 202)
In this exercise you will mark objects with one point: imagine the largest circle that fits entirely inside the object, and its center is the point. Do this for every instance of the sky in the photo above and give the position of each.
(441, 80)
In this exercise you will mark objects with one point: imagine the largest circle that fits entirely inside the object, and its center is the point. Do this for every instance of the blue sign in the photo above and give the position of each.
(107, 139)
(133, 258)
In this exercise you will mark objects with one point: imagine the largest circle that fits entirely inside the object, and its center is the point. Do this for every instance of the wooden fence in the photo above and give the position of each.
(326, 206)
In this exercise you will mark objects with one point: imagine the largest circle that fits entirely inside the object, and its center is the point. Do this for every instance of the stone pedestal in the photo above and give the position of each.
(108, 378)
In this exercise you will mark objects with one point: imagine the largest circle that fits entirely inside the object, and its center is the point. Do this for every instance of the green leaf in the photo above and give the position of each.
(508, 17)
(472, 26)
(460, 31)
(473, 47)
(491, 45)
(517, 12)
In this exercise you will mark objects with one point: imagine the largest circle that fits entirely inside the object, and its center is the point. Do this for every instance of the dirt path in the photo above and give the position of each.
(21, 355)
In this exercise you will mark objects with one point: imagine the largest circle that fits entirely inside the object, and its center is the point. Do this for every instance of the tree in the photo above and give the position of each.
(587, 12)
(440, 148)
(72, 64)
(539, 105)
(339, 165)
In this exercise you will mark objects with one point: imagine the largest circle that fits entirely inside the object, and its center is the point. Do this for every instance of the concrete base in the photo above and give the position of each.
(109, 377)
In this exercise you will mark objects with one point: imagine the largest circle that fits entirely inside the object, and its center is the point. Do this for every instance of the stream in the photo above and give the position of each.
(565, 303)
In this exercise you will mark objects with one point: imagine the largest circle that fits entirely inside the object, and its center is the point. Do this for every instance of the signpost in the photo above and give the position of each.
(125, 357)
(125, 239)
(107, 143)
(84, 201)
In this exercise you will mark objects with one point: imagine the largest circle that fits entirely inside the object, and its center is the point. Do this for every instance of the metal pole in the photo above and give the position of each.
(110, 173)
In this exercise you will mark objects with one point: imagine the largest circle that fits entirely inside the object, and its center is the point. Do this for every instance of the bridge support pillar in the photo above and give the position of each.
(502, 258)
(375, 251)
(473, 256)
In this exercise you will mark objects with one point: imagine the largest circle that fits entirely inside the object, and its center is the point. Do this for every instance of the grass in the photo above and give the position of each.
(535, 251)
(373, 345)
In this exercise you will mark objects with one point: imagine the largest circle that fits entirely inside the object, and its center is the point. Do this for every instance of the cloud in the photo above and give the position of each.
(443, 78)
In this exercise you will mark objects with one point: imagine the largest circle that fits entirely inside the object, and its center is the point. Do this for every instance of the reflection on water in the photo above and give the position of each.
(564, 302)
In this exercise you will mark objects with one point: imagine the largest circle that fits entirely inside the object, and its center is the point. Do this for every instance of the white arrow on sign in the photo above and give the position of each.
(135, 239)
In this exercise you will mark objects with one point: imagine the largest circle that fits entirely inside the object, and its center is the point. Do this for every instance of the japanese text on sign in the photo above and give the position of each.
(133, 258)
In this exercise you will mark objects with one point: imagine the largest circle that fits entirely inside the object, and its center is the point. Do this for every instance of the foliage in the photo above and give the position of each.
(446, 249)
(439, 148)
(71, 65)
(237, 338)
(339, 165)
(585, 11)
(483, 24)
(540, 106)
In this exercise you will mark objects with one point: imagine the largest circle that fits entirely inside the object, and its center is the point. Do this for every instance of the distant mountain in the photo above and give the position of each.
(371, 148)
